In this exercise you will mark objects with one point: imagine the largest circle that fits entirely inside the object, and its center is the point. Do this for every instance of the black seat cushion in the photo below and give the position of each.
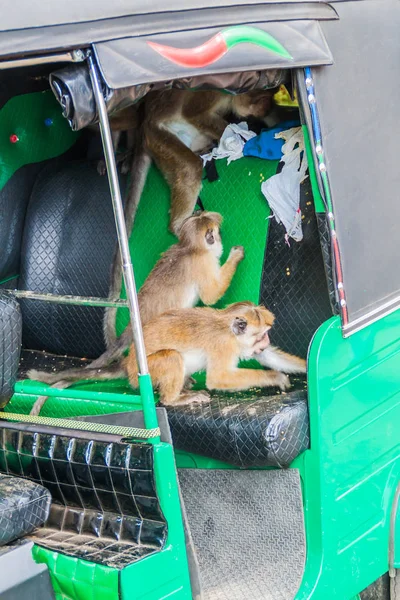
(67, 248)
(246, 430)
(105, 504)
(24, 505)
(14, 198)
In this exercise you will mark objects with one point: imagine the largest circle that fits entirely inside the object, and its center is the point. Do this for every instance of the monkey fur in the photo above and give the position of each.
(182, 342)
(187, 272)
(170, 127)
(180, 124)
(173, 126)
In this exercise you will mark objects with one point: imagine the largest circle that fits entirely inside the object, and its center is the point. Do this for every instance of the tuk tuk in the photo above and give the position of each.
(253, 496)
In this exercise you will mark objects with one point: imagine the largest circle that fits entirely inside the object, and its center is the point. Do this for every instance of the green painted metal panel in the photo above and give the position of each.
(353, 467)
(163, 575)
(394, 555)
(33, 129)
(77, 579)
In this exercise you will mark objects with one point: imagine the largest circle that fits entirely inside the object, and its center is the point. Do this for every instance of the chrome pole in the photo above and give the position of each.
(127, 266)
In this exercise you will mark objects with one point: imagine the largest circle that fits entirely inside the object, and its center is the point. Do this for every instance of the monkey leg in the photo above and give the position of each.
(212, 125)
(182, 170)
(244, 379)
(127, 159)
(189, 383)
(168, 374)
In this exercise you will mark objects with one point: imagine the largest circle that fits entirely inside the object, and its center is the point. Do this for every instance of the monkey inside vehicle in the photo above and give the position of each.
(163, 437)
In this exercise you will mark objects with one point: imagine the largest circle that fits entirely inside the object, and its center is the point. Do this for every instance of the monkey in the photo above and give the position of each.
(182, 342)
(187, 272)
(180, 124)
(172, 126)
(176, 126)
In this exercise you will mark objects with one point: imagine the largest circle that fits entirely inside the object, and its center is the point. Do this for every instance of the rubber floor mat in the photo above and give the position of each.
(247, 529)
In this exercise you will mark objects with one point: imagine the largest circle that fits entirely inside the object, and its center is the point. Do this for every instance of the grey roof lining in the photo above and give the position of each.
(21, 14)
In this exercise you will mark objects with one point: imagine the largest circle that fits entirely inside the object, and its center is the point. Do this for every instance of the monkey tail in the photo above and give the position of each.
(140, 167)
(37, 407)
(68, 377)
(115, 352)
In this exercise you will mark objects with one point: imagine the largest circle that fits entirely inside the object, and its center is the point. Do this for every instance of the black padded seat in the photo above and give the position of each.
(246, 430)
(67, 248)
(104, 503)
(24, 506)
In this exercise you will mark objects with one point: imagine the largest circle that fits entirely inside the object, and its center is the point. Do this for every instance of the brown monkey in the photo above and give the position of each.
(176, 124)
(182, 342)
(187, 272)
(179, 124)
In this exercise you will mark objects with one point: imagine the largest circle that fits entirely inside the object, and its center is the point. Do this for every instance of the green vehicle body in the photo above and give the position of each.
(348, 499)
(350, 475)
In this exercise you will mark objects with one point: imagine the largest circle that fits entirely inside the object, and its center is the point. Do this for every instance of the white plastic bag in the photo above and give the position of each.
(231, 143)
(282, 191)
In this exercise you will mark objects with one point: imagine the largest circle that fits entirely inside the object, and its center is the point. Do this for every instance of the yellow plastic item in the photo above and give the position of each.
(283, 98)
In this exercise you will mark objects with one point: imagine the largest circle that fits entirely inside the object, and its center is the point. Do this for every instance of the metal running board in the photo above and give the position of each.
(248, 532)
(65, 299)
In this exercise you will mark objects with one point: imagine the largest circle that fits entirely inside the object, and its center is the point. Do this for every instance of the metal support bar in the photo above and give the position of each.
(30, 388)
(75, 300)
(75, 56)
(127, 266)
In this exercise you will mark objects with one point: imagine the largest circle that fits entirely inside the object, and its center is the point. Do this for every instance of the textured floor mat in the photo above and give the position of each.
(237, 196)
(247, 528)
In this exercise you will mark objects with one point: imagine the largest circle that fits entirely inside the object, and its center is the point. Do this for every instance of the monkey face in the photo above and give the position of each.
(251, 327)
(262, 343)
(213, 242)
(202, 229)
(256, 103)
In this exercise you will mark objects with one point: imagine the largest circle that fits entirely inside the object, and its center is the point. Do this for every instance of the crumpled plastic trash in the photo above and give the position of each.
(231, 143)
(266, 144)
(282, 191)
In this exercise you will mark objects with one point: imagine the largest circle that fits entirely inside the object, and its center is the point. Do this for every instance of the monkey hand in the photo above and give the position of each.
(280, 380)
(236, 253)
(101, 167)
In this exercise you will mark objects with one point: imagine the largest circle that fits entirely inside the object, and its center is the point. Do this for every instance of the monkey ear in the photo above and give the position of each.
(210, 237)
(239, 325)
